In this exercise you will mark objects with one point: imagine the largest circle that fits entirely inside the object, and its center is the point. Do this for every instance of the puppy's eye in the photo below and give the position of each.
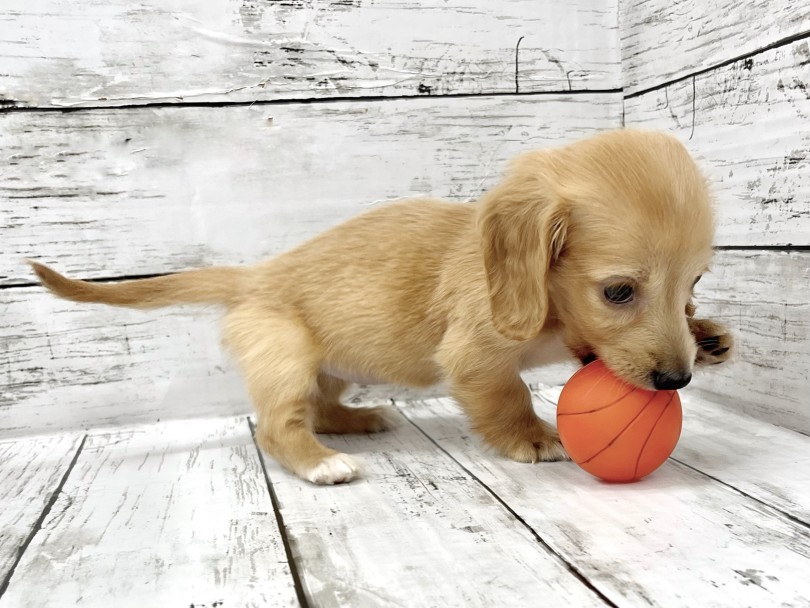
(621, 293)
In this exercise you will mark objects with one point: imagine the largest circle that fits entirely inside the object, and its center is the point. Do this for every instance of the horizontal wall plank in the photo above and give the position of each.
(30, 472)
(665, 541)
(763, 297)
(113, 52)
(135, 191)
(665, 40)
(71, 366)
(746, 123)
(68, 365)
(417, 530)
(176, 514)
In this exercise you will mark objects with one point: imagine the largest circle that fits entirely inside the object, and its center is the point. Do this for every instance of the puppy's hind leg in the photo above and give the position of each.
(331, 416)
(280, 361)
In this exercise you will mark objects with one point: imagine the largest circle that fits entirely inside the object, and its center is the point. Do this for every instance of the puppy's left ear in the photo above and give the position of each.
(522, 224)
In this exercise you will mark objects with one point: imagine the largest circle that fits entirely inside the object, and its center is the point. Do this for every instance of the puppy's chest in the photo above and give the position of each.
(350, 376)
(546, 349)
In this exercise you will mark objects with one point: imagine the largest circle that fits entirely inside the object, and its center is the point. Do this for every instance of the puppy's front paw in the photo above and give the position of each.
(715, 343)
(537, 442)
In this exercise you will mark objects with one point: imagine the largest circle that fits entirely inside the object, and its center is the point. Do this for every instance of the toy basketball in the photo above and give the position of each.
(614, 430)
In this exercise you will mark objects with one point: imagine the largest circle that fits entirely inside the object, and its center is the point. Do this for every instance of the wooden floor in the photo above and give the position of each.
(186, 513)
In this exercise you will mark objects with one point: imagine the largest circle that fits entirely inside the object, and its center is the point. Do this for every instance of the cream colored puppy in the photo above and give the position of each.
(590, 250)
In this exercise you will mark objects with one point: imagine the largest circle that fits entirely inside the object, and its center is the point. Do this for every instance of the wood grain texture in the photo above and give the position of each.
(746, 123)
(75, 366)
(30, 472)
(176, 514)
(762, 460)
(676, 538)
(665, 40)
(416, 531)
(765, 461)
(123, 192)
(66, 366)
(112, 53)
(763, 297)
(69, 366)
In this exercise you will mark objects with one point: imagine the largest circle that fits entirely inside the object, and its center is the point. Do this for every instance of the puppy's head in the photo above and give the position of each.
(606, 239)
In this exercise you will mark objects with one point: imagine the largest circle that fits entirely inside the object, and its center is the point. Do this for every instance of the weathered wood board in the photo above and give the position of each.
(764, 461)
(113, 52)
(74, 366)
(675, 539)
(764, 298)
(176, 514)
(746, 123)
(123, 192)
(65, 365)
(31, 470)
(662, 41)
(416, 531)
(69, 366)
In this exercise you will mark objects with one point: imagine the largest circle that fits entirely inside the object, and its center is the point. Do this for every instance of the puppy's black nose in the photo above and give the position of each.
(670, 381)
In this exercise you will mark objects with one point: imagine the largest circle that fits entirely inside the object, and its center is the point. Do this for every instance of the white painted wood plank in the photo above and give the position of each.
(176, 514)
(30, 471)
(114, 192)
(765, 461)
(676, 538)
(70, 366)
(111, 52)
(763, 297)
(65, 366)
(663, 40)
(747, 126)
(416, 531)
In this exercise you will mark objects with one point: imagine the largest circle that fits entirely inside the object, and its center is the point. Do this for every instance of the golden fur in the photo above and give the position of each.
(422, 291)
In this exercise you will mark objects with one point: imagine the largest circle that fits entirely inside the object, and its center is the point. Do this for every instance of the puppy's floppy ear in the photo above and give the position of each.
(523, 225)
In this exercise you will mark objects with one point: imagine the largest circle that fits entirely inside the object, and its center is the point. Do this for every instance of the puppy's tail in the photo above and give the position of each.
(222, 285)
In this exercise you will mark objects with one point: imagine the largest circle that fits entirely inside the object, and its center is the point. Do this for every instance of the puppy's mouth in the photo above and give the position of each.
(586, 355)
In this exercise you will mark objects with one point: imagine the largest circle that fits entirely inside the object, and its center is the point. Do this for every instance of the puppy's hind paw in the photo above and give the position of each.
(337, 468)
(339, 419)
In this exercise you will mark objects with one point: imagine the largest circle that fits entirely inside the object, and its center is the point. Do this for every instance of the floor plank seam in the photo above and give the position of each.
(299, 586)
(783, 513)
(38, 524)
(541, 541)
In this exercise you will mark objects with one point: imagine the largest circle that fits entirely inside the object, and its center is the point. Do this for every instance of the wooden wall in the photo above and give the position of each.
(148, 138)
(732, 80)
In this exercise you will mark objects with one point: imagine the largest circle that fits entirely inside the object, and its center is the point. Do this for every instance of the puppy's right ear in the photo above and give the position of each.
(522, 225)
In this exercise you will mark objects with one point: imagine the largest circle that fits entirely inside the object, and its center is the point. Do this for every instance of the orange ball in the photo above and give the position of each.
(614, 430)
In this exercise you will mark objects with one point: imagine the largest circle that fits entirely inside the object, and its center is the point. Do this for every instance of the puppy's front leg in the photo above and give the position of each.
(500, 409)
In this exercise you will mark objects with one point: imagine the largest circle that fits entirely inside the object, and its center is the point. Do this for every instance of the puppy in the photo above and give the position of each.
(590, 250)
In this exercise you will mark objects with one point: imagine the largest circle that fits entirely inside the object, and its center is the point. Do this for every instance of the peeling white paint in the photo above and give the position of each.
(94, 53)
(664, 40)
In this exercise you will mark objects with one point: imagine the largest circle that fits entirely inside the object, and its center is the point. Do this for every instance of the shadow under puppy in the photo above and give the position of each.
(591, 250)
